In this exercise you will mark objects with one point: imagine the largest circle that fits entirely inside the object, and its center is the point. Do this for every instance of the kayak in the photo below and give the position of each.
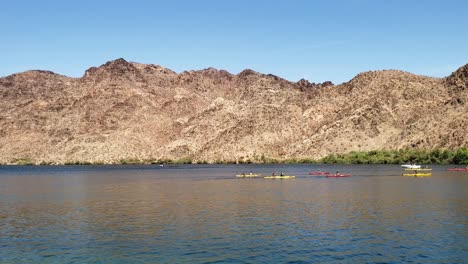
(318, 173)
(457, 169)
(247, 175)
(417, 174)
(411, 166)
(280, 177)
(425, 169)
(338, 175)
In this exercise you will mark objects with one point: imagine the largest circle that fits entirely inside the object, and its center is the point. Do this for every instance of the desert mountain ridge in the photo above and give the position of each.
(127, 110)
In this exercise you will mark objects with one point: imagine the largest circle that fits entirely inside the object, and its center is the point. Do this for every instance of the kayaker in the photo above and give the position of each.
(273, 174)
(281, 174)
(337, 174)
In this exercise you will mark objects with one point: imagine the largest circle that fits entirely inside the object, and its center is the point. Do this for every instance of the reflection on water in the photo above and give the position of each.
(203, 214)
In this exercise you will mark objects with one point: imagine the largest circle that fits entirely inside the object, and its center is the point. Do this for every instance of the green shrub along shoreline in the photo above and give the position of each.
(420, 156)
(434, 156)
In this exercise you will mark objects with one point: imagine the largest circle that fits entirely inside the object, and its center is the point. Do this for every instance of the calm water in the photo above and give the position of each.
(203, 214)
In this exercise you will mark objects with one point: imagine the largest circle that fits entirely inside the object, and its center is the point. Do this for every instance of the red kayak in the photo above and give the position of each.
(457, 169)
(338, 175)
(318, 173)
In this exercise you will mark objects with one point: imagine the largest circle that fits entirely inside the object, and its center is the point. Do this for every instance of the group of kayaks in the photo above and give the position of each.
(417, 170)
(254, 175)
(314, 173)
(411, 170)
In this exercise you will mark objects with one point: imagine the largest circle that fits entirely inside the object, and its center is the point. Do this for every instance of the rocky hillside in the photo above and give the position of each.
(125, 110)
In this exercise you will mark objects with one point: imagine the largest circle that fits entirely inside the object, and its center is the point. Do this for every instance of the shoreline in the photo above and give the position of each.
(435, 157)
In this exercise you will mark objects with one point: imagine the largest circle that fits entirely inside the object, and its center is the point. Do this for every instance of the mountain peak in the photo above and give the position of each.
(247, 72)
(113, 68)
(119, 64)
(119, 60)
(459, 78)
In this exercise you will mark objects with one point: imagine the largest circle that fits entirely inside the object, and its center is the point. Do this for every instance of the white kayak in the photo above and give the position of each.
(411, 166)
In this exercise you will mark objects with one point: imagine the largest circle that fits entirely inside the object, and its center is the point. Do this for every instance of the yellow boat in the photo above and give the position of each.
(250, 175)
(424, 169)
(417, 174)
(280, 177)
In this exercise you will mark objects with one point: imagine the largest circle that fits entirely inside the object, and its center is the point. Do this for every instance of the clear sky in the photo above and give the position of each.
(316, 40)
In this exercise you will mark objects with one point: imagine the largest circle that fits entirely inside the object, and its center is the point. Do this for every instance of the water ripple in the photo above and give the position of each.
(206, 216)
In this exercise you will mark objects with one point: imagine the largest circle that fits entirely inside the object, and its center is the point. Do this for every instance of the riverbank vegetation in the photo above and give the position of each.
(419, 156)
(434, 156)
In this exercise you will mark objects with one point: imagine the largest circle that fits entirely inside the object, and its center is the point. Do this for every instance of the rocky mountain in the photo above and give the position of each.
(127, 110)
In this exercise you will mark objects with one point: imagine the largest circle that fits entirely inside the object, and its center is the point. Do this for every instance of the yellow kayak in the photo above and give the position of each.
(280, 177)
(250, 175)
(417, 174)
(425, 169)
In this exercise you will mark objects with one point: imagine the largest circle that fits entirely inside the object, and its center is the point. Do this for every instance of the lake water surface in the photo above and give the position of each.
(204, 214)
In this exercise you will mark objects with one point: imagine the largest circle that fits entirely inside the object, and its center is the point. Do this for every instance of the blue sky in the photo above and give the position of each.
(316, 40)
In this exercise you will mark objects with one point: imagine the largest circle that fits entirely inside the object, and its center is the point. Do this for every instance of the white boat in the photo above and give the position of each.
(411, 166)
